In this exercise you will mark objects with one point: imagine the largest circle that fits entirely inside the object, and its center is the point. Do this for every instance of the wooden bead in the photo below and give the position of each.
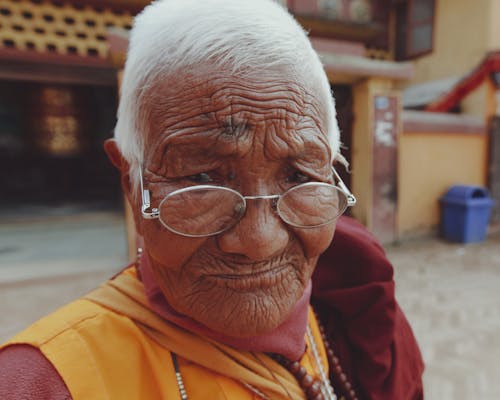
(312, 386)
(336, 367)
(294, 367)
(314, 389)
(306, 381)
(301, 373)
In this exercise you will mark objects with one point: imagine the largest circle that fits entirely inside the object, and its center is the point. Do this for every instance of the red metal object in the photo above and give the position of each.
(490, 64)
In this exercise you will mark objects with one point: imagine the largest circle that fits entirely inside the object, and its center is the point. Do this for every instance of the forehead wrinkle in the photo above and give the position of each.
(221, 100)
(174, 121)
(263, 89)
(262, 93)
(288, 109)
(278, 145)
(256, 104)
(160, 99)
(166, 96)
(168, 103)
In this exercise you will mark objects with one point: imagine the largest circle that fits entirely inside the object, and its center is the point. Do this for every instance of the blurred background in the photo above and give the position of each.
(417, 88)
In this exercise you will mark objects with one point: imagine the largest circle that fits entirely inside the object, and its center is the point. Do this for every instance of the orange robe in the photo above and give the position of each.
(110, 345)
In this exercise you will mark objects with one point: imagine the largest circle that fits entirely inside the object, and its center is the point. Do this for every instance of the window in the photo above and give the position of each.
(414, 28)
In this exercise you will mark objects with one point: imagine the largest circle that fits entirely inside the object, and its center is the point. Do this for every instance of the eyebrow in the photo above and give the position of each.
(207, 149)
(223, 140)
(313, 157)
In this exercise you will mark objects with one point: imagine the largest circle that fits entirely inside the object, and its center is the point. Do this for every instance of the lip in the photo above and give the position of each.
(253, 280)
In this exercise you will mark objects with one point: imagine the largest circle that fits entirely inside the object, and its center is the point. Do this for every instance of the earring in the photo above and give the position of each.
(138, 255)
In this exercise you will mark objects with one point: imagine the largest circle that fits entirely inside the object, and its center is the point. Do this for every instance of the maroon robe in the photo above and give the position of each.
(353, 292)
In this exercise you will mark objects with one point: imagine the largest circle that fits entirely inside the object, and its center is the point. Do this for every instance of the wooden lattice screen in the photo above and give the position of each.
(55, 27)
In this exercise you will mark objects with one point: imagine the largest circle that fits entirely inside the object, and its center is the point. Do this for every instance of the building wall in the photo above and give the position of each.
(464, 31)
(494, 26)
(461, 38)
(429, 163)
(362, 145)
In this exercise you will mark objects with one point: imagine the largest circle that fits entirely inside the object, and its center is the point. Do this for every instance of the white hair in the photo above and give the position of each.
(239, 35)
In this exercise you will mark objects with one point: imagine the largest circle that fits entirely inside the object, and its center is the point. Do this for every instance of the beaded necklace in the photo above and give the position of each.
(314, 388)
(337, 373)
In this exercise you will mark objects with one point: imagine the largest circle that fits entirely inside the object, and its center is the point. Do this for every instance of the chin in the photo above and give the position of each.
(239, 305)
(250, 314)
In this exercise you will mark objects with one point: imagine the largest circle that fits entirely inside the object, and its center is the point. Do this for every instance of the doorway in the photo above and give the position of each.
(51, 153)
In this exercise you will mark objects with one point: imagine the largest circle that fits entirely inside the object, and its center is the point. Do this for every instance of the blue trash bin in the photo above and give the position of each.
(465, 213)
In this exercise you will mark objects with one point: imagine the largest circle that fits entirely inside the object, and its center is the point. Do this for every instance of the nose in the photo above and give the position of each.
(259, 235)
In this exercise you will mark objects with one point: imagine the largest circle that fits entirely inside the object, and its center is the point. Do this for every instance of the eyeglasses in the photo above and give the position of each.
(206, 210)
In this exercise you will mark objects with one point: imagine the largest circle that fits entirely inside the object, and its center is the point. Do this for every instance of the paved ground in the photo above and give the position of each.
(451, 295)
(46, 262)
(450, 292)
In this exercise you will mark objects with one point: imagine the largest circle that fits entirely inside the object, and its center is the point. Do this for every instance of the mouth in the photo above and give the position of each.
(246, 281)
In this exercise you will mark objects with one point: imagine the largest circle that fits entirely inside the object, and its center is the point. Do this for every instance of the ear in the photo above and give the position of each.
(117, 159)
(114, 154)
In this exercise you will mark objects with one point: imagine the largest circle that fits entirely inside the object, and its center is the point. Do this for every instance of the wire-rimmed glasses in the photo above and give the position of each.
(207, 210)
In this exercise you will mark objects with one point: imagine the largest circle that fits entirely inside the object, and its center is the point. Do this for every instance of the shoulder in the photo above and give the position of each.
(84, 344)
(69, 317)
(25, 373)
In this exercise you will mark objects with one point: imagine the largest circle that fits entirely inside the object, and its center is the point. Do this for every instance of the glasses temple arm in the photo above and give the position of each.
(146, 201)
(351, 199)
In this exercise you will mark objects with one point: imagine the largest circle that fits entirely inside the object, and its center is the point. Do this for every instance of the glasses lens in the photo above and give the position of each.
(201, 211)
(312, 204)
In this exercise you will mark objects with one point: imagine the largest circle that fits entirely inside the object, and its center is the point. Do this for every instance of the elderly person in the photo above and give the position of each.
(225, 140)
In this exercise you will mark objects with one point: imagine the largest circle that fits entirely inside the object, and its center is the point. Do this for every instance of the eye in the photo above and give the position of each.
(298, 177)
(202, 177)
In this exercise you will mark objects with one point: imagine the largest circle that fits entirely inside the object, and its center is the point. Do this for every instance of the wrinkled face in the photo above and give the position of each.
(257, 136)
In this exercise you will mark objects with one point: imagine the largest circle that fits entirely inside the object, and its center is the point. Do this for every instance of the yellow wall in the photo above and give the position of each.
(429, 163)
(464, 31)
(461, 38)
(494, 26)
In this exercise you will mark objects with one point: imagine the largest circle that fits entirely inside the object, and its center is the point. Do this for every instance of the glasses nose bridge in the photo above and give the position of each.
(273, 197)
(259, 205)
(263, 197)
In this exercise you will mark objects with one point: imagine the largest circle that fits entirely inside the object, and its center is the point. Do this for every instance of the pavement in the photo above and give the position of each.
(449, 292)
(451, 296)
(45, 262)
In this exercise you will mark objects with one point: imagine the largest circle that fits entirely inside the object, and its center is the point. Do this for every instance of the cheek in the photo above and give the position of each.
(168, 249)
(315, 241)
